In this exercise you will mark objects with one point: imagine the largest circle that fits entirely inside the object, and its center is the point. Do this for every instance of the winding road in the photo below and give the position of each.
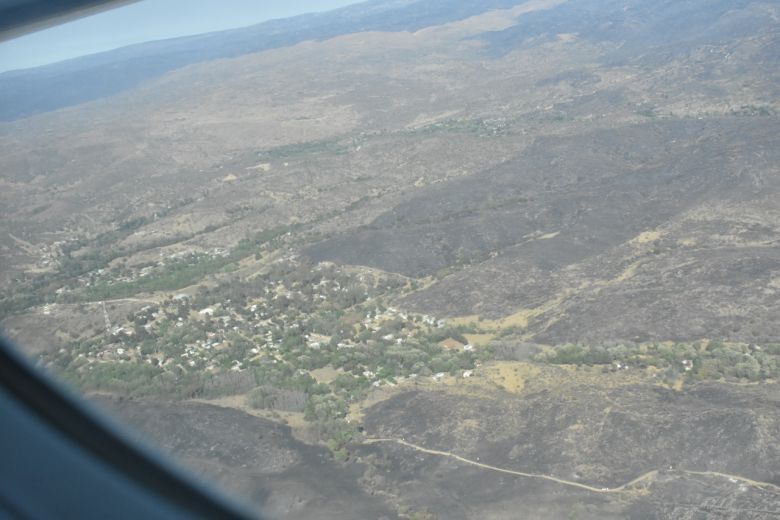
(649, 476)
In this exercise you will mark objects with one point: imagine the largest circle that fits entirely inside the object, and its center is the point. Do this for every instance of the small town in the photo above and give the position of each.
(299, 327)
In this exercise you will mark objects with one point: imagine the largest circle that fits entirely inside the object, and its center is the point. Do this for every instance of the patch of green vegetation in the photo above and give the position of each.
(125, 378)
(325, 146)
(694, 361)
(184, 272)
(175, 276)
(753, 111)
(39, 289)
(647, 112)
(19, 301)
(482, 127)
(39, 209)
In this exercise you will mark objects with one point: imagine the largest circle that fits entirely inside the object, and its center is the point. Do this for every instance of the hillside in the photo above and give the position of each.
(602, 223)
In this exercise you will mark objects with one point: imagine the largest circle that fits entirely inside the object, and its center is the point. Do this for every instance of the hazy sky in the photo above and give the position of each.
(145, 21)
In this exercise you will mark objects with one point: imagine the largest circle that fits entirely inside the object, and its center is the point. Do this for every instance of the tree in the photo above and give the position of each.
(748, 368)
(324, 408)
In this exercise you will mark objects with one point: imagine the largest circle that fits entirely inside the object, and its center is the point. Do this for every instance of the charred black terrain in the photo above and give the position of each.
(255, 459)
(686, 452)
(614, 221)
